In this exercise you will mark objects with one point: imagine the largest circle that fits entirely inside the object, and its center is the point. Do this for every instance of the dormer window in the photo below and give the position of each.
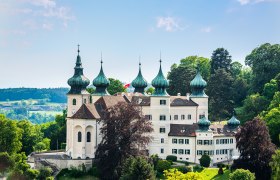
(162, 102)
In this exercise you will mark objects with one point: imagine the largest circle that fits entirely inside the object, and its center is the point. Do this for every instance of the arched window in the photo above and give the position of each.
(88, 136)
(74, 101)
(79, 136)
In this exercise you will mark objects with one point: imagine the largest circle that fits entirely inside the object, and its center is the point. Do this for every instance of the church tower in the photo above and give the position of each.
(139, 83)
(78, 94)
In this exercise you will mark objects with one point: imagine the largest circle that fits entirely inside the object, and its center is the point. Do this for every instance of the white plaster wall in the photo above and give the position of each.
(183, 110)
(72, 109)
(203, 105)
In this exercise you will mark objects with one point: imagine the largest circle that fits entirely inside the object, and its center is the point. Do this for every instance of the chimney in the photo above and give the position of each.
(188, 96)
(178, 94)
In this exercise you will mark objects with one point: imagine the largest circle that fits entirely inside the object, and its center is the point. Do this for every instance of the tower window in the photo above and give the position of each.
(74, 102)
(85, 101)
(162, 117)
(162, 102)
(79, 136)
(88, 136)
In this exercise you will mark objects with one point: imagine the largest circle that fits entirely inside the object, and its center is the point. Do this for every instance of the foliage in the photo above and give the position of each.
(181, 75)
(10, 136)
(115, 86)
(31, 173)
(275, 101)
(6, 162)
(270, 88)
(44, 172)
(221, 171)
(183, 169)
(272, 119)
(264, 61)
(198, 168)
(220, 59)
(219, 91)
(171, 158)
(241, 174)
(163, 165)
(155, 159)
(124, 131)
(137, 168)
(205, 160)
(174, 174)
(255, 148)
(150, 90)
(236, 69)
(240, 88)
(40, 146)
(90, 90)
(275, 165)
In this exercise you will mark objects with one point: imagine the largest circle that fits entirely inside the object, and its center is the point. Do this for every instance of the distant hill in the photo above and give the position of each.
(56, 95)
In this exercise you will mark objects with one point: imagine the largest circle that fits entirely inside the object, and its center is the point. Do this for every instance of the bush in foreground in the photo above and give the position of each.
(205, 160)
(163, 165)
(241, 174)
(171, 158)
(173, 174)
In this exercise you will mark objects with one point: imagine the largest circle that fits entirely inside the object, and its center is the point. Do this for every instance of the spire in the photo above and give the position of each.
(101, 82)
(78, 81)
(139, 83)
(233, 122)
(160, 83)
(198, 85)
(203, 124)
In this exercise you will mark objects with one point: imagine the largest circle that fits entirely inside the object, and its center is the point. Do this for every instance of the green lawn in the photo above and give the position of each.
(212, 174)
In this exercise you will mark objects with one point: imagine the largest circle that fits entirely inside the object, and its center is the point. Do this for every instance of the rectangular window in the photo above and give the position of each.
(187, 141)
(231, 141)
(162, 117)
(181, 151)
(206, 142)
(148, 117)
(217, 141)
(175, 117)
(181, 141)
(199, 152)
(189, 117)
(174, 151)
(182, 117)
(162, 130)
(199, 142)
(211, 142)
(187, 151)
(217, 152)
(162, 102)
(201, 116)
(162, 140)
(174, 141)
(161, 150)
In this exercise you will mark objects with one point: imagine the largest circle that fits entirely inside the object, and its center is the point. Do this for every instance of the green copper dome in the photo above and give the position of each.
(198, 85)
(204, 124)
(233, 122)
(101, 83)
(78, 82)
(139, 83)
(160, 83)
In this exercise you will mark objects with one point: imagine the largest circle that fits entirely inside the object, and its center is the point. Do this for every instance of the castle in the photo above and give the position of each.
(180, 123)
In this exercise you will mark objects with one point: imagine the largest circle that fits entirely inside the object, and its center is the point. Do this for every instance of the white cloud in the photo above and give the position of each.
(206, 29)
(47, 26)
(245, 2)
(168, 24)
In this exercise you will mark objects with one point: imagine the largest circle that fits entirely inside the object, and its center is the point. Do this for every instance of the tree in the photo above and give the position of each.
(115, 86)
(220, 59)
(240, 89)
(275, 165)
(44, 172)
(163, 165)
(264, 61)
(181, 75)
(272, 119)
(275, 101)
(125, 133)
(137, 168)
(150, 90)
(39, 147)
(236, 68)
(10, 136)
(270, 88)
(6, 162)
(255, 148)
(205, 160)
(219, 91)
(241, 174)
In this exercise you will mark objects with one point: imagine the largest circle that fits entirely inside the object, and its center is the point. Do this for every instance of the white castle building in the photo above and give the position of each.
(181, 125)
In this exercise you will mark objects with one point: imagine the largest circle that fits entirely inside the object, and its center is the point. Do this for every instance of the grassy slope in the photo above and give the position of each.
(212, 174)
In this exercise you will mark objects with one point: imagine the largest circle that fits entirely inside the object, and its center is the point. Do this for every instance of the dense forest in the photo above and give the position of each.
(56, 95)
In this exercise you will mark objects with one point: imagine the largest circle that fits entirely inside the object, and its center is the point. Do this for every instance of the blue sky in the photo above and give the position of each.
(38, 38)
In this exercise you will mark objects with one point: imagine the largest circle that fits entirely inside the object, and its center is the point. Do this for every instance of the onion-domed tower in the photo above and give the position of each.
(204, 124)
(139, 83)
(160, 83)
(233, 122)
(101, 83)
(78, 83)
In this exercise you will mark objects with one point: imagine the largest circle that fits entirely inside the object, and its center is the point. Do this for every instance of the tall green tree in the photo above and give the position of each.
(10, 136)
(115, 86)
(236, 69)
(265, 63)
(254, 143)
(220, 95)
(270, 88)
(275, 165)
(220, 59)
(6, 162)
(272, 119)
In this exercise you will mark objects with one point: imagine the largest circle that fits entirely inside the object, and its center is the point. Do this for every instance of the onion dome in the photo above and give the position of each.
(204, 124)
(101, 83)
(139, 83)
(160, 83)
(233, 122)
(198, 85)
(78, 82)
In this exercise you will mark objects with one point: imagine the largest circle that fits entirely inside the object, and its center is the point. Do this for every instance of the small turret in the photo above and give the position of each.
(139, 83)
(160, 83)
(233, 122)
(101, 83)
(198, 85)
(204, 124)
(78, 82)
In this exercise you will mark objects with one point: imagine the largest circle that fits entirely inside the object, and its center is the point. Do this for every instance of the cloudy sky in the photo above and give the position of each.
(38, 38)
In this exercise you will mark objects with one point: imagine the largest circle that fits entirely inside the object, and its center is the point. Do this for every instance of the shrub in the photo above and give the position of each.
(241, 174)
(31, 173)
(94, 171)
(171, 158)
(187, 163)
(227, 166)
(221, 165)
(163, 165)
(44, 172)
(197, 168)
(205, 160)
(221, 171)
(190, 168)
(182, 169)
(155, 159)
(173, 174)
